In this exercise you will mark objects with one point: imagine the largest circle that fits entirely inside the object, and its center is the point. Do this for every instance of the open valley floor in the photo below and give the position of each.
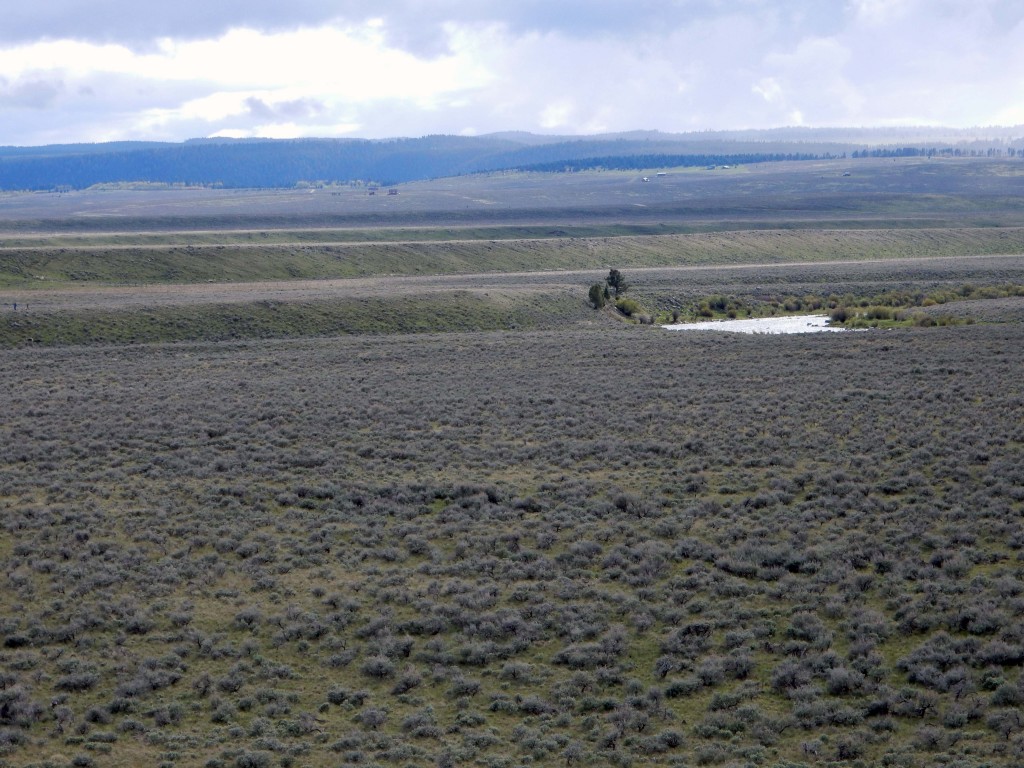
(436, 509)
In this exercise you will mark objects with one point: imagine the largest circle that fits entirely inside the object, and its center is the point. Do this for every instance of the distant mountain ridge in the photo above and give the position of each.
(287, 162)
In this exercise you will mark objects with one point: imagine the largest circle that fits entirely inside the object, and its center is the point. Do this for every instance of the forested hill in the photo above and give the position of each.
(284, 163)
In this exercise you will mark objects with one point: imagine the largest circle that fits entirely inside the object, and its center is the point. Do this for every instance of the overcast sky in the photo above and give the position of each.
(102, 70)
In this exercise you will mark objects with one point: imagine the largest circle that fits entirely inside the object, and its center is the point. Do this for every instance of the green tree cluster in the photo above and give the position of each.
(614, 287)
(616, 282)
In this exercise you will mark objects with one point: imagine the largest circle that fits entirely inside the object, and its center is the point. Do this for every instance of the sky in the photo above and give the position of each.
(110, 70)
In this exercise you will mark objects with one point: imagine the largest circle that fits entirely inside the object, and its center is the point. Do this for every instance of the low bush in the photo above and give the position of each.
(628, 307)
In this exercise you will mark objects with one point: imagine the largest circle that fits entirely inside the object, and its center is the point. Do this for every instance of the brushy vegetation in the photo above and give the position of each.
(890, 309)
(587, 544)
(290, 309)
(935, 285)
(608, 546)
(450, 311)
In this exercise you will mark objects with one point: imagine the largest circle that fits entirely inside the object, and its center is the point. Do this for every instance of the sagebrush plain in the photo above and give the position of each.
(362, 486)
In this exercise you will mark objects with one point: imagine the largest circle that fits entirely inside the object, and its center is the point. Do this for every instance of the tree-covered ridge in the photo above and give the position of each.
(283, 163)
(640, 162)
(245, 164)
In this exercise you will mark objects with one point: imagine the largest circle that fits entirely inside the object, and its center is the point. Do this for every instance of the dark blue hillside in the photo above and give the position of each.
(252, 163)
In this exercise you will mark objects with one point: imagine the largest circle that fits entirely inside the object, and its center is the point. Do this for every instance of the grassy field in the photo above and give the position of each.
(915, 192)
(25, 269)
(96, 314)
(389, 518)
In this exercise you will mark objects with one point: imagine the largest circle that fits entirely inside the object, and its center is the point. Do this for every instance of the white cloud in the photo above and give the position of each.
(352, 64)
(398, 67)
(879, 12)
(556, 116)
(768, 88)
(329, 67)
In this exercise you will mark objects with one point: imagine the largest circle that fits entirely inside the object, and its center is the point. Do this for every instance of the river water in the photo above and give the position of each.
(789, 324)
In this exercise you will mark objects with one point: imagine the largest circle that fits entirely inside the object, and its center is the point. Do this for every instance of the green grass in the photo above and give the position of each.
(455, 311)
(277, 236)
(427, 234)
(26, 269)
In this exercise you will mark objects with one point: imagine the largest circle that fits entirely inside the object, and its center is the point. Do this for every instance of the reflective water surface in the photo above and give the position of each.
(790, 324)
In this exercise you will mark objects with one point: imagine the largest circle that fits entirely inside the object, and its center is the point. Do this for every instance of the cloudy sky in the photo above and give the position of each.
(102, 70)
